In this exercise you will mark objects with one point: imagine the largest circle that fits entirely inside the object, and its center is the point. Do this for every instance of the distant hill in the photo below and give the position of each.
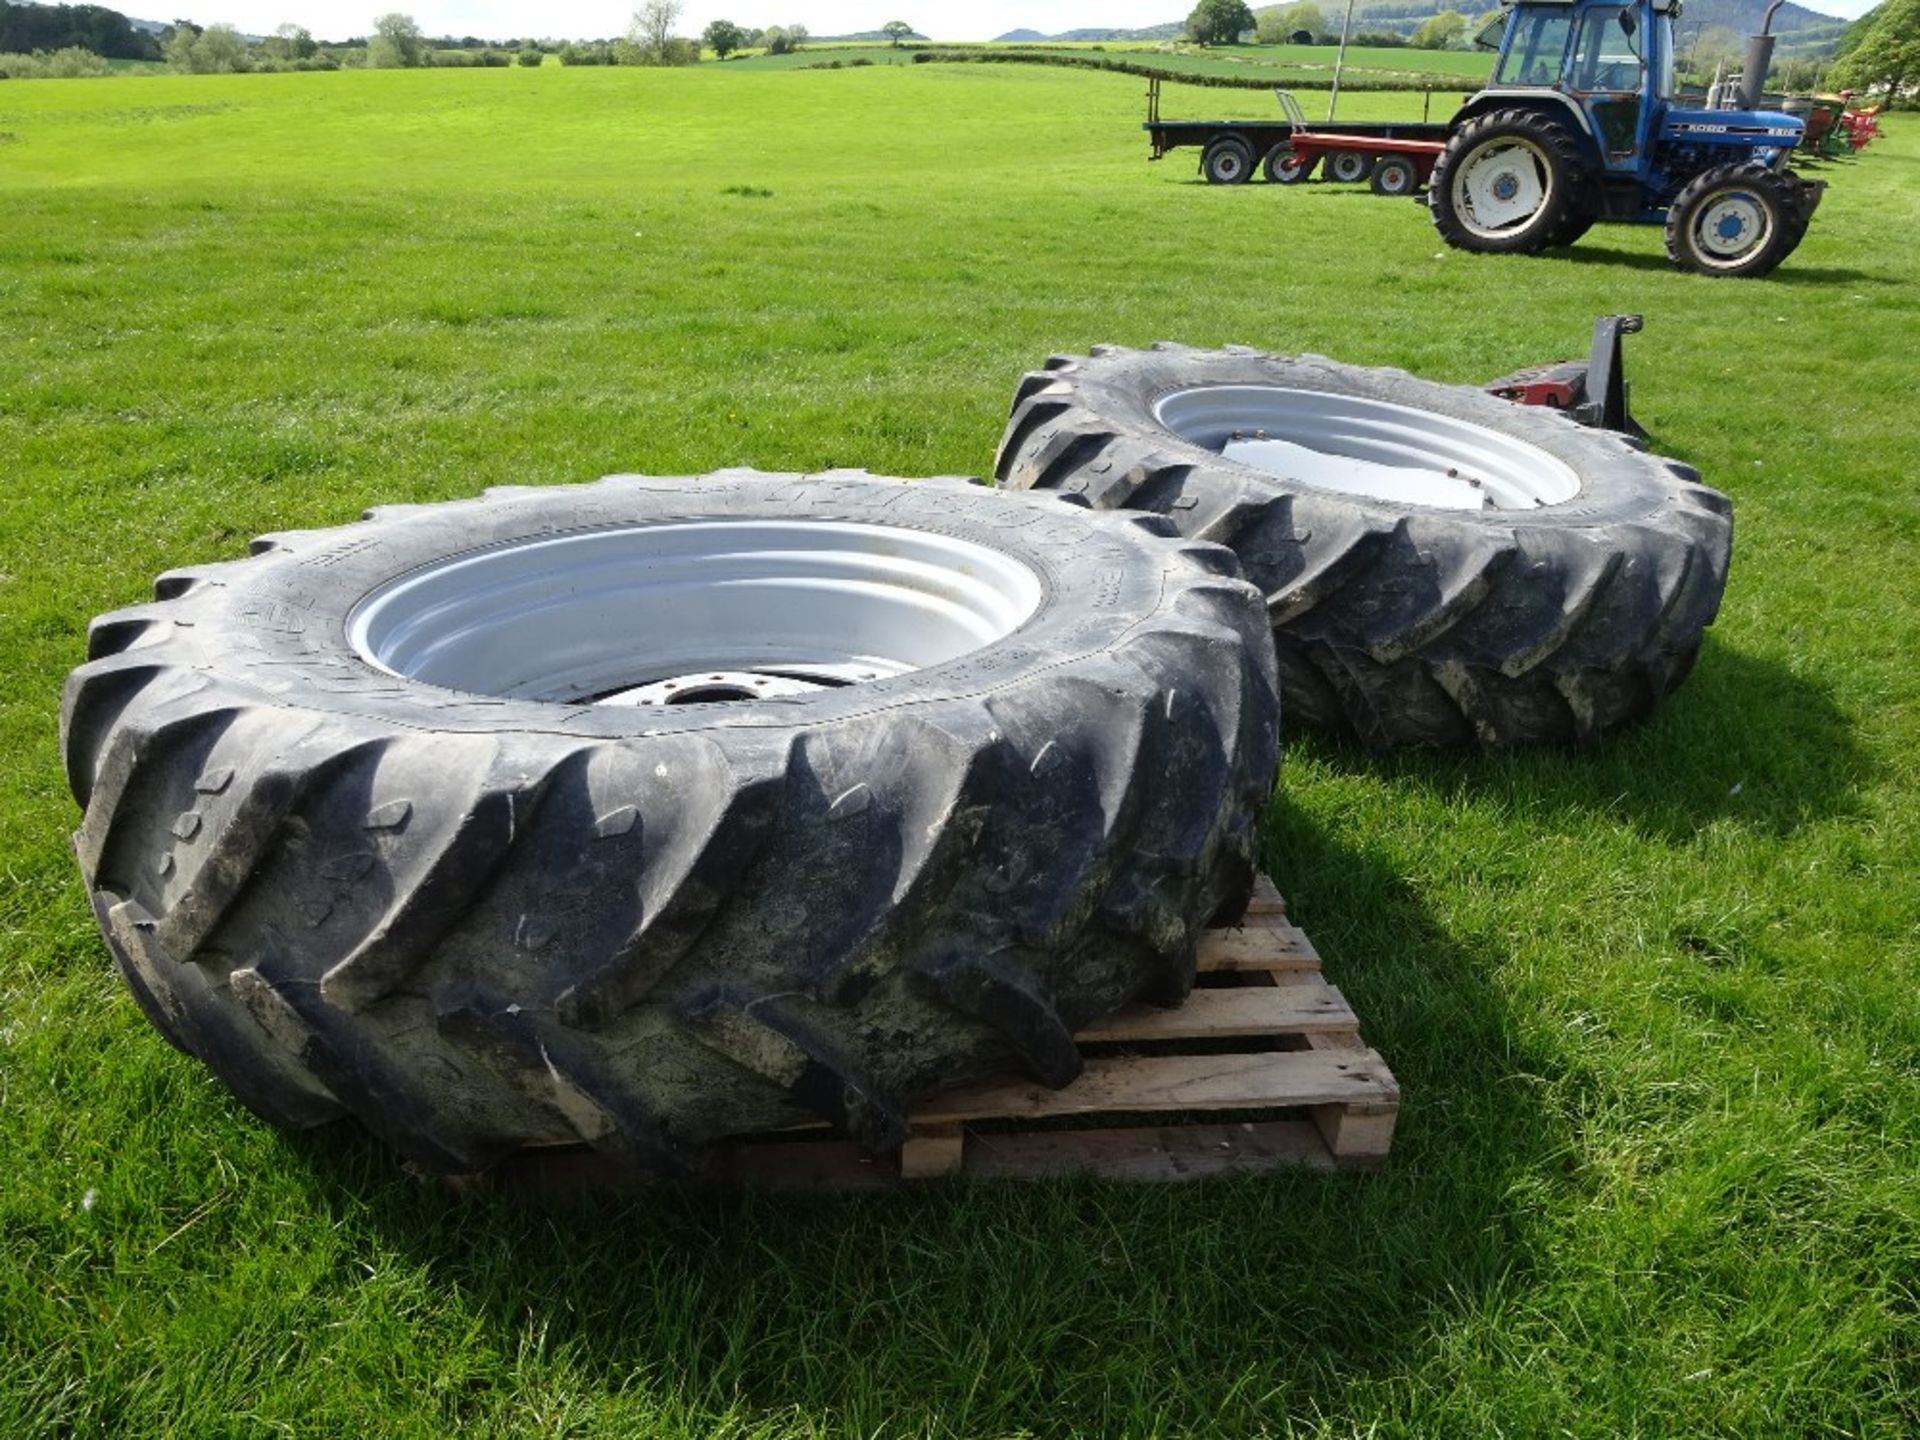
(1806, 31)
(1172, 30)
(863, 36)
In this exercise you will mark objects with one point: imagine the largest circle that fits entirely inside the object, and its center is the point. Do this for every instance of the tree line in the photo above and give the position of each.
(58, 41)
(108, 33)
(1229, 22)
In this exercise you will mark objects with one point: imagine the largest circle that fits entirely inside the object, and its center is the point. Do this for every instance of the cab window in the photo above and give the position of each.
(1539, 43)
(1605, 57)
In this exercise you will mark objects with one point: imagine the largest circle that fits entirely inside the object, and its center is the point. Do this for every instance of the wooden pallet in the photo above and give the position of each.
(1261, 1033)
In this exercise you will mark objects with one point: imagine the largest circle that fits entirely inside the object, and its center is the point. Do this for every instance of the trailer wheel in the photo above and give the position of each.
(1349, 167)
(1395, 176)
(1283, 167)
(1734, 221)
(426, 821)
(1227, 161)
(1506, 183)
(1441, 567)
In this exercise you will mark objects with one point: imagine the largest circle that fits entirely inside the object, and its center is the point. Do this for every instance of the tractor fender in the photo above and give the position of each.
(1555, 106)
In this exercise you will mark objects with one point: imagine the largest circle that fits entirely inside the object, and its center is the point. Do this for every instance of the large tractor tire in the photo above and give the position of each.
(1511, 182)
(658, 810)
(1573, 227)
(1736, 221)
(1441, 567)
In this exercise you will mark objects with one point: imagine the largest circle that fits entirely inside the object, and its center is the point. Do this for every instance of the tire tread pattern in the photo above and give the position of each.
(1397, 626)
(478, 942)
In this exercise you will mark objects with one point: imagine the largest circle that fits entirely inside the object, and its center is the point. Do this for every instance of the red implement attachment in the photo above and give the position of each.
(1312, 145)
(1592, 391)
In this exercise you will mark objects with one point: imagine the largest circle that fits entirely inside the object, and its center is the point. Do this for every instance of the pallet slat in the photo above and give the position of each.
(1149, 1153)
(1309, 1008)
(1137, 1084)
(1257, 947)
(1266, 899)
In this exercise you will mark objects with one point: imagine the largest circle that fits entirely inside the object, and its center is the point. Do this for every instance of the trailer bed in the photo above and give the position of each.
(1416, 140)
(1173, 134)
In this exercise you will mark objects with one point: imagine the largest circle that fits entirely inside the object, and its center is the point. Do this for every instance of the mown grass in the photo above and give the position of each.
(1652, 1008)
(1307, 65)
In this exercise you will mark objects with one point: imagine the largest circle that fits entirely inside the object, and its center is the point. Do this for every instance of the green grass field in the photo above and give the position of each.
(1305, 65)
(1653, 1008)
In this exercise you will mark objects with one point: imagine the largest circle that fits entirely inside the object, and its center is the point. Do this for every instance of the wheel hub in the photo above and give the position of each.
(693, 612)
(1732, 226)
(710, 687)
(1501, 187)
(1370, 448)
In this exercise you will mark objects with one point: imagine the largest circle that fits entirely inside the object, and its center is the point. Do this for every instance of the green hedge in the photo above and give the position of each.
(959, 54)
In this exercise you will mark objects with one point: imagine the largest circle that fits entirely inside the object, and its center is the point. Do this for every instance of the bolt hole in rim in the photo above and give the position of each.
(693, 612)
(1501, 187)
(1731, 226)
(1369, 448)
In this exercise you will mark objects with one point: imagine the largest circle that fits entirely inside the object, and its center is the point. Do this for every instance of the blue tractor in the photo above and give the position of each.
(1580, 125)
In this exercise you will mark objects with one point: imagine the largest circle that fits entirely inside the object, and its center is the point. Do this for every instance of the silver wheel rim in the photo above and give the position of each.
(1395, 179)
(1368, 448)
(1227, 163)
(693, 612)
(1502, 186)
(1730, 226)
(1346, 165)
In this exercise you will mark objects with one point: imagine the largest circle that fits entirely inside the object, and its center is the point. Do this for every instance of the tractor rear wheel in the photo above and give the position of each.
(1283, 167)
(1506, 184)
(1349, 167)
(1227, 161)
(1579, 220)
(1735, 221)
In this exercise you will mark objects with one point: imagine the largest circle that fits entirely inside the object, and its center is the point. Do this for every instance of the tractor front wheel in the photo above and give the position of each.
(1734, 220)
(1507, 184)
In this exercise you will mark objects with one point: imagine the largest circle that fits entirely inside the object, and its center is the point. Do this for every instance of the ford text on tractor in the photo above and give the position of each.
(1579, 125)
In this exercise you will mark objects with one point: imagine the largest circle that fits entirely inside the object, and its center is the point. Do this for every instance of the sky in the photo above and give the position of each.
(562, 19)
(503, 19)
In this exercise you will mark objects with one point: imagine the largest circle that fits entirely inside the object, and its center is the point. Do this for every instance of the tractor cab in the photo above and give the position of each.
(1608, 66)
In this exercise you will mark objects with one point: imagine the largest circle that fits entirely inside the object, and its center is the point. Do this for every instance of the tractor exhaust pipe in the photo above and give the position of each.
(1753, 74)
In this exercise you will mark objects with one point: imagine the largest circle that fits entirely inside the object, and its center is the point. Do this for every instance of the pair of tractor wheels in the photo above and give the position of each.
(649, 812)
(1515, 182)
